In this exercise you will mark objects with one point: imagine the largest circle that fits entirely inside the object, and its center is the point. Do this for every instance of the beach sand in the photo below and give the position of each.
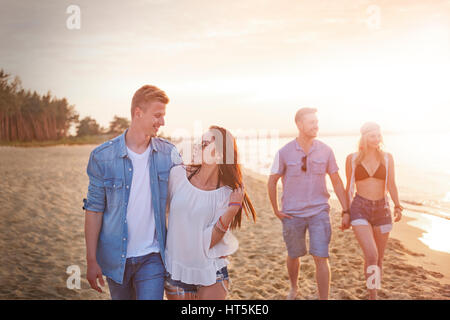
(42, 234)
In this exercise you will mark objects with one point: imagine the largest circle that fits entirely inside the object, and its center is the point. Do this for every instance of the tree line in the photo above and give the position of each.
(28, 116)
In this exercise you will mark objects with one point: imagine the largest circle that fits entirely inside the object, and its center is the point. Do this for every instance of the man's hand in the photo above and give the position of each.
(93, 272)
(280, 215)
(345, 222)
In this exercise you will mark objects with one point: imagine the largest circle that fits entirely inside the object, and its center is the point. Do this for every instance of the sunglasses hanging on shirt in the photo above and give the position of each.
(304, 164)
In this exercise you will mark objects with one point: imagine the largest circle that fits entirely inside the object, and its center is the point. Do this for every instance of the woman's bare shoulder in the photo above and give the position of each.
(176, 171)
(351, 155)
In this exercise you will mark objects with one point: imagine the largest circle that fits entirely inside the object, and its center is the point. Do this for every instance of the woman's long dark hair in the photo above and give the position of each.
(230, 173)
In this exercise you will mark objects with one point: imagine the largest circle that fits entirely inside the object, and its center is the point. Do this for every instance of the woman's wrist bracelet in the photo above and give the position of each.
(225, 228)
(220, 227)
(216, 226)
(235, 204)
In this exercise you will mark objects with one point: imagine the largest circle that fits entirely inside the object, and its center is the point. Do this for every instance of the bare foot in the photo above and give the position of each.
(292, 294)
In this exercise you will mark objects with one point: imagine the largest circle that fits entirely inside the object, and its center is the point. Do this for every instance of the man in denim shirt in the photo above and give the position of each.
(302, 164)
(125, 225)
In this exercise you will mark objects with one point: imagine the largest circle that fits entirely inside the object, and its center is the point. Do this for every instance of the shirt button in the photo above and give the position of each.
(123, 256)
(124, 239)
(129, 169)
(128, 187)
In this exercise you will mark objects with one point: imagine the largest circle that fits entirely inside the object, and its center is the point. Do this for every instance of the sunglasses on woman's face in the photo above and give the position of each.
(205, 143)
(304, 164)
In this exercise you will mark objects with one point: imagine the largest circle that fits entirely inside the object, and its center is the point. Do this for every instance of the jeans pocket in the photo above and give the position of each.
(381, 213)
(328, 230)
(356, 210)
(382, 216)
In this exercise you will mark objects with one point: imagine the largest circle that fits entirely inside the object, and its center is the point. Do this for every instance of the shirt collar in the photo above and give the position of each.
(123, 146)
(297, 146)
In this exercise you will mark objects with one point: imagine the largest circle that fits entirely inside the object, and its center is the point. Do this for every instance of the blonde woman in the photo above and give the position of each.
(372, 172)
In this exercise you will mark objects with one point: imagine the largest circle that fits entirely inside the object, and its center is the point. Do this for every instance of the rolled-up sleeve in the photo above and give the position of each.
(95, 200)
(175, 157)
(278, 166)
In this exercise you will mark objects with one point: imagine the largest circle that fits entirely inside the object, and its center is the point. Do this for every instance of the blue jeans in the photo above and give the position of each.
(143, 279)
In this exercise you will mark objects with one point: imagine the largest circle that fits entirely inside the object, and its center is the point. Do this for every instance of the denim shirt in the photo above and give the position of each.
(110, 172)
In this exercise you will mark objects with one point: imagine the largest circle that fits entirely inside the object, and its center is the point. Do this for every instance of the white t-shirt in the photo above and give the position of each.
(192, 215)
(140, 216)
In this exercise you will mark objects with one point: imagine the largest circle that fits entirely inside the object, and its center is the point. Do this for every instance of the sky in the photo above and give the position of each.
(241, 64)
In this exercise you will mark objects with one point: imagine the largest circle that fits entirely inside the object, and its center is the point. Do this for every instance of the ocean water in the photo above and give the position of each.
(422, 171)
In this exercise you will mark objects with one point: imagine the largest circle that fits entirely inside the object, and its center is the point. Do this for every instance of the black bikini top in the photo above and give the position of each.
(361, 173)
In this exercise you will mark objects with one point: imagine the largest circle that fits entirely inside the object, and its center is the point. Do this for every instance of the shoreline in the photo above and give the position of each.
(421, 255)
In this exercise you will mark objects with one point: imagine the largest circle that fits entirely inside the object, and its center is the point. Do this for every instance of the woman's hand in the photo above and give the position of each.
(398, 214)
(345, 222)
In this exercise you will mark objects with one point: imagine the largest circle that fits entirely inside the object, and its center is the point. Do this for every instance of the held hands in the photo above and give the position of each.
(93, 272)
(345, 222)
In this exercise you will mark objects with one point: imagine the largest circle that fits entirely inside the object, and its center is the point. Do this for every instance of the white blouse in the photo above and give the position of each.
(192, 215)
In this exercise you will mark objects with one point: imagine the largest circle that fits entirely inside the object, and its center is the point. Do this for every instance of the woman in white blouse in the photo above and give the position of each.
(205, 200)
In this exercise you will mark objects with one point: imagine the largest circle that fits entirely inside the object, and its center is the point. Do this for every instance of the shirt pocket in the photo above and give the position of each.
(163, 182)
(318, 167)
(293, 168)
(114, 192)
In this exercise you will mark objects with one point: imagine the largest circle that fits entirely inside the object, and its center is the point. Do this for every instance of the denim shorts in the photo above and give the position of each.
(319, 229)
(371, 212)
(180, 288)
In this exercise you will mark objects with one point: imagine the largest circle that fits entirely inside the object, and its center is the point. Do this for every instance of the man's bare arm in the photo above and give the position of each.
(92, 227)
(339, 189)
(273, 196)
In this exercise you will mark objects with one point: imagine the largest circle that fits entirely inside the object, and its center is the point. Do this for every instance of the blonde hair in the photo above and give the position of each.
(362, 144)
(302, 112)
(145, 94)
